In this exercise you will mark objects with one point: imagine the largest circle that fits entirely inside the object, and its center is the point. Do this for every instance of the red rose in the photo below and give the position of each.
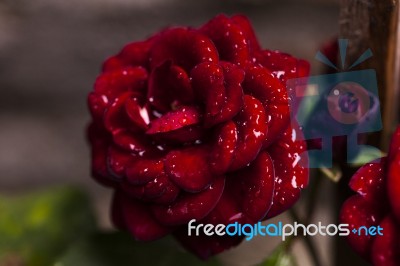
(377, 204)
(195, 124)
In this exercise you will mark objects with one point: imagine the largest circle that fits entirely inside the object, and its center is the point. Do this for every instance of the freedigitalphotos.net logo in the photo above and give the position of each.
(249, 231)
(345, 103)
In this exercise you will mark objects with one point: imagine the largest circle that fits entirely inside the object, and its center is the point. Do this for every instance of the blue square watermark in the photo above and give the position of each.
(340, 104)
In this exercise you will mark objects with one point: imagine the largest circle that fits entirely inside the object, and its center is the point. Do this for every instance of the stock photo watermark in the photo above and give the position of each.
(345, 103)
(284, 231)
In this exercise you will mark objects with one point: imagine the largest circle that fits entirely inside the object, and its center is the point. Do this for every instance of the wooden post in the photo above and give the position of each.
(373, 24)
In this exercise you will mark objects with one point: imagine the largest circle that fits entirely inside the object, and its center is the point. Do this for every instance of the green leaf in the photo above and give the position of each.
(365, 155)
(120, 249)
(279, 257)
(35, 229)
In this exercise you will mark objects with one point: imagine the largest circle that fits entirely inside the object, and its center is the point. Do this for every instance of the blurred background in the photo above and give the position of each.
(50, 55)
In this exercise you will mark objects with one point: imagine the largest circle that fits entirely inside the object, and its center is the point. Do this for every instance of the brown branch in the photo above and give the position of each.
(373, 24)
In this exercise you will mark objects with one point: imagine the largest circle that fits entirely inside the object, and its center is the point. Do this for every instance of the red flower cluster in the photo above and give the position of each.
(377, 204)
(195, 124)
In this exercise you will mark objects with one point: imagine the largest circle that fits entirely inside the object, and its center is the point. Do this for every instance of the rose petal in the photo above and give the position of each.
(97, 105)
(229, 39)
(393, 185)
(184, 135)
(252, 127)
(369, 182)
(157, 187)
(100, 140)
(137, 218)
(248, 194)
(137, 114)
(394, 148)
(228, 210)
(260, 83)
(169, 85)
(208, 84)
(179, 118)
(291, 169)
(112, 63)
(223, 148)
(117, 160)
(178, 126)
(283, 66)
(215, 98)
(245, 25)
(136, 53)
(186, 48)
(144, 170)
(253, 187)
(189, 168)
(169, 195)
(234, 95)
(160, 189)
(113, 83)
(219, 88)
(190, 206)
(357, 212)
(116, 118)
(136, 143)
(385, 248)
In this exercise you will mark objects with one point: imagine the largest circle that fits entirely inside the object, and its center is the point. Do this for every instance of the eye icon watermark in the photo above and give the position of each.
(345, 103)
(348, 102)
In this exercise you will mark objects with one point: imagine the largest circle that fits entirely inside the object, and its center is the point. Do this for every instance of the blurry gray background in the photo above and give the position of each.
(50, 55)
